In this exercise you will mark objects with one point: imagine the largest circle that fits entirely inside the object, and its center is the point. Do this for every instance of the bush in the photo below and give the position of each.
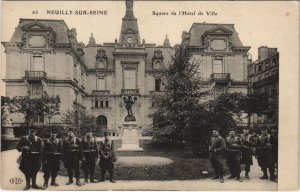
(43, 131)
(20, 131)
(147, 130)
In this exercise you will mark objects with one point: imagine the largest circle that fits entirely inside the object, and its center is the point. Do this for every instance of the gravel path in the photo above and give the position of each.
(9, 169)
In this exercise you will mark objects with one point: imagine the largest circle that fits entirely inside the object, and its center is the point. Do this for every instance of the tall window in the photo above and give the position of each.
(100, 84)
(39, 118)
(96, 103)
(157, 65)
(157, 84)
(100, 64)
(217, 66)
(130, 79)
(36, 90)
(38, 63)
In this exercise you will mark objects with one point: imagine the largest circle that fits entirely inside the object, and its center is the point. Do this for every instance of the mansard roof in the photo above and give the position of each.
(58, 26)
(199, 29)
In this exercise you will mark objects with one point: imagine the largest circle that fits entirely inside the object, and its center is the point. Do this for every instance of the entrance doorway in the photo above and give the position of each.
(101, 123)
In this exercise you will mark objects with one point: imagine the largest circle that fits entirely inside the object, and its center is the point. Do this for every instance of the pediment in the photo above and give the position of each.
(219, 30)
(35, 25)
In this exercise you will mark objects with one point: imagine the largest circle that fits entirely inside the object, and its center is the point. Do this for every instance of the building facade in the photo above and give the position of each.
(221, 55)
(44, 56)
(263, 75)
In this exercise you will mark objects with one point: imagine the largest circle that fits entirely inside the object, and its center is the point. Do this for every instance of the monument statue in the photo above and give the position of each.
(5, 117)
(129, 102)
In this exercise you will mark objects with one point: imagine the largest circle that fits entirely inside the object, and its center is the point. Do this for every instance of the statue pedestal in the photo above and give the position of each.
(130, 137)
(7, 133)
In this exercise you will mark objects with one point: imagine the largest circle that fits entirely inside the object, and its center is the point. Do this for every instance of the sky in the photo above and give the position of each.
(272, 24)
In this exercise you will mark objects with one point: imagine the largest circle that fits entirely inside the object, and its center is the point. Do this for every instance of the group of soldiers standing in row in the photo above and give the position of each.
(71, 151)
(239, 149)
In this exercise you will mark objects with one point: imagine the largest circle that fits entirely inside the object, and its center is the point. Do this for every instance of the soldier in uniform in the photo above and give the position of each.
(274, 136)
(233, 156)
(31, 147)
(107, 158)
(52, 156)
(90, 156)
(254, 142)
(216, 148)
(72, 148)
(246, 142)
(266, 158)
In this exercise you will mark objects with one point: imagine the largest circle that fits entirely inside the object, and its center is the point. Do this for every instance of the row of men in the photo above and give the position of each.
(72, 151)
(239, 149)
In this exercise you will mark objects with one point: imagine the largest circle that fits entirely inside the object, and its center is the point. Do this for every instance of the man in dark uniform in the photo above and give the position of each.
(52, 156)
(90, 156)
(254, 143)
(31, 147)
(274, 136)
(72, 148)
(266, 158)
(216, 148)
(107, 158)
(246, 151)
(233, 156)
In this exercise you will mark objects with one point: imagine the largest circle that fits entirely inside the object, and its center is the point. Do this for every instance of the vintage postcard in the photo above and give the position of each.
(149, 95)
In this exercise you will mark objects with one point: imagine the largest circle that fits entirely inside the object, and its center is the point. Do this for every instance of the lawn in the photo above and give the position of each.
(185, 165)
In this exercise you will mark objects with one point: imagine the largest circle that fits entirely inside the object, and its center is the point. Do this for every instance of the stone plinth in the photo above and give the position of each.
(130, 137)
(7, 133)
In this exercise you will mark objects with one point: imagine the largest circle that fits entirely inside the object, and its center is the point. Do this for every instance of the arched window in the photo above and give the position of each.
(101, 122)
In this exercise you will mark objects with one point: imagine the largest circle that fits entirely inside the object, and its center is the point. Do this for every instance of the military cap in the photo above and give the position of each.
(105, 133)
(71, 130)
(216, 129)
(256, 130)
(263, 129)
(232, 129)
(246, 127)
(88, 131)
(32, 128)
(54, 131)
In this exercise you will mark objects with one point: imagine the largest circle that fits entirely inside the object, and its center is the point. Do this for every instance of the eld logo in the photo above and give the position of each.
(16, 180)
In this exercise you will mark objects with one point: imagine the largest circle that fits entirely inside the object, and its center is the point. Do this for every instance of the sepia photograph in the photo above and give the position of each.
(149, 95)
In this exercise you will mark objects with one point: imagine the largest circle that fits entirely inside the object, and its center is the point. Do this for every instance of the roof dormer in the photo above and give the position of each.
(37, 35)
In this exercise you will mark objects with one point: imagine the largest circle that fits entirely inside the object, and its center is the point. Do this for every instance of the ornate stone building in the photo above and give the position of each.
(221, 55)
(44, 55)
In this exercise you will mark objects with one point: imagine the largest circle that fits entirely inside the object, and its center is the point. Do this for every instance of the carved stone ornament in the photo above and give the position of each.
(100, 54)
(5, 116)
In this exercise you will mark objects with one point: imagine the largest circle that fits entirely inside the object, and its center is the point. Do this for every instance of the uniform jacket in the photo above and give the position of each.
(90, 148)
(106, 148)
(72, 149)
(53, 147)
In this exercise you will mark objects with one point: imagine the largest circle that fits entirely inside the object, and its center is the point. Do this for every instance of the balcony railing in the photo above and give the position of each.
(35, 74)
(220, 77)
(101, 92)
(129, 91)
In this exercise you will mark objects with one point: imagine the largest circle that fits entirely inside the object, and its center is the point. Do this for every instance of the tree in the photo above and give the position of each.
(254, 103)
(31, 107)
(77, 117)
(225, 111)
(183, 90)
